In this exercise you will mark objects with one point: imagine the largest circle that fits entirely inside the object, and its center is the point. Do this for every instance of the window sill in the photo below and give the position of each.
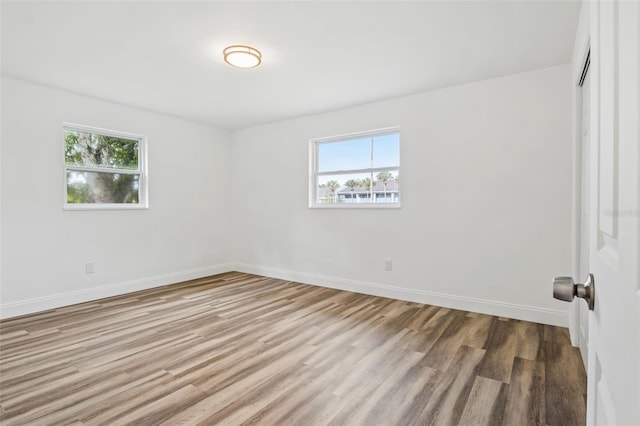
(71, 207)
(382, 206)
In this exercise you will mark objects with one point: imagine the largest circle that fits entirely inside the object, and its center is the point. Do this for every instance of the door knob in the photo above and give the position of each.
(565, 289)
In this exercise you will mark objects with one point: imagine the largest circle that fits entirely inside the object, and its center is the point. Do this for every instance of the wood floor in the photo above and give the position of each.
(243, 349)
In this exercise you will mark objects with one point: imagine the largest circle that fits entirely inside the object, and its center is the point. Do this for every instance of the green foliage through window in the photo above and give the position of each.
(95, 150)
(101, 168)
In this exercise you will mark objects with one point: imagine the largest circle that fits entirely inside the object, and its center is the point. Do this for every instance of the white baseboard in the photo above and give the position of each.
(501, 309)
(38, 304)
(507, 310)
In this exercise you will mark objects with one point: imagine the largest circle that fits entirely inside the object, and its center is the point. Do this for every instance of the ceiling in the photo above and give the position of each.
(166, 56)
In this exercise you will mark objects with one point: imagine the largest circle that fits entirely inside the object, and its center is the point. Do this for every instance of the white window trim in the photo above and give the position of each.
(142, 170)
(314, 174)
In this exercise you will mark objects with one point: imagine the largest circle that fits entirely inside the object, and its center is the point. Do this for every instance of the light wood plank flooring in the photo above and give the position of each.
(243, 349)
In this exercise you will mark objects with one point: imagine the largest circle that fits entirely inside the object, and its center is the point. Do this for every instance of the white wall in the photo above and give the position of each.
(486, 218)
(485, 222)
(184, 233)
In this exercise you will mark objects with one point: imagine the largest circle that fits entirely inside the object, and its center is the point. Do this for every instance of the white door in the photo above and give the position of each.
(581, 310)
(614, 325)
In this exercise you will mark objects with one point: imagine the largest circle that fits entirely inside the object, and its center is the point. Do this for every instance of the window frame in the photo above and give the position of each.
(314, 174)
(141, 171)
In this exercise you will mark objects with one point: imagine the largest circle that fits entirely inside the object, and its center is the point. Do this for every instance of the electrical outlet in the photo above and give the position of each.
(89, 267)
(388, 265)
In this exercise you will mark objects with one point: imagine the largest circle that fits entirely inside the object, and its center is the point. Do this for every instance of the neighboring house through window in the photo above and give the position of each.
(104, 169)
(356, 170)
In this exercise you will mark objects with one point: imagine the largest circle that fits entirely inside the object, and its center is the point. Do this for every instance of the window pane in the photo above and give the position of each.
(386, 150)
(95, 150)
(356, 153)
(360, 188)
(109, 188)
(357, 169)
(344, 155)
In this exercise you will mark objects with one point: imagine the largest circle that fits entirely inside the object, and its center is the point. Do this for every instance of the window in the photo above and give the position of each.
(104, 169)
(359, 170)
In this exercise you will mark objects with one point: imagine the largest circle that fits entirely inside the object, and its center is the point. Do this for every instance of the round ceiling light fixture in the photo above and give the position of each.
(242, 56)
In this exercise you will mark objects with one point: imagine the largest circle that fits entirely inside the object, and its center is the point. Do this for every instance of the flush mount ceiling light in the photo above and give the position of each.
(242, 56)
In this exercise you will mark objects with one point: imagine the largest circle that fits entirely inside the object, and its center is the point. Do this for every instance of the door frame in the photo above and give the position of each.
(581, 52)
